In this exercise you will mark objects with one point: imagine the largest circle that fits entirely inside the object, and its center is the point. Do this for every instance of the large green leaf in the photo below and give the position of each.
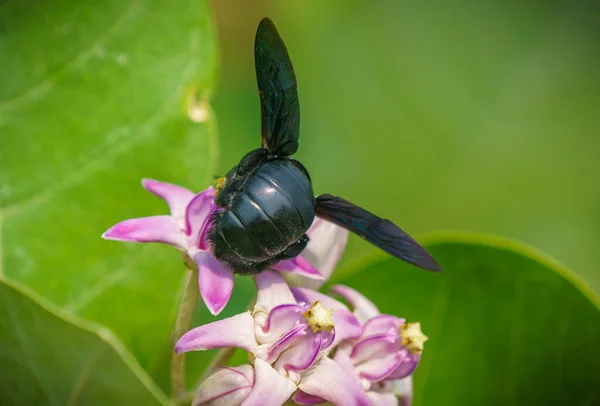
(56, 360)
(507, 325)
(93, 97)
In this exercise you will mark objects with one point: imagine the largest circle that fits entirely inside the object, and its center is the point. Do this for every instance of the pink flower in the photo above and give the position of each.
(287, 341)
(186, 229)
(385, 354)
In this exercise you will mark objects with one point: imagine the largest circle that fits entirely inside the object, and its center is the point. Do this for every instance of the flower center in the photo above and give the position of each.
(319, 318)
(413, 338)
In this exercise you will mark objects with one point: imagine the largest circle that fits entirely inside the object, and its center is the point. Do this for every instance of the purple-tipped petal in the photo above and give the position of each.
(280, 320)
(270, 388)
(227, 386)
(310, 296)
(363, 307)
(407, 367)
(301, 356)
(382, 324)
(272, 291)
(162, 229)
(330, 382)
(215, 281)
(299, 266)
(347, 326)
(326, 245)
(196, 214)
(303, 398)
(236, 331)
(377, 357)
(175, 196)
(382, 399)
(284, 342)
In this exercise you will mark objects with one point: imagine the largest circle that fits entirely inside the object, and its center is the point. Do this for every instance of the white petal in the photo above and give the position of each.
(270, 388)
(363, 307)
(272, 291)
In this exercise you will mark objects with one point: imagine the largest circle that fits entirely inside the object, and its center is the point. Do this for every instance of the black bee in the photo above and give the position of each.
(266, 203)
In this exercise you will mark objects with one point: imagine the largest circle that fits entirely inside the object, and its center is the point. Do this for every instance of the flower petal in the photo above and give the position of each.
(324, 249)
(215, 281)
(272, 291)
(280, 320)
(382, 324)
(377, 357)
(326, 379)
(162, 229)
(299, 266)
(310, 296)
(407, 367)
(382, 399)
(303, 398)
(347, 326)
(363, 307)
(196, 214)
(236, 331)
(227, 386)
(176, 197)
(302, 355)
(403, 388)
(270, 388)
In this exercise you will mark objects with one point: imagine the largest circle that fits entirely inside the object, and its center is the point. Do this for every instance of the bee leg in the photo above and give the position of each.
(295, 249)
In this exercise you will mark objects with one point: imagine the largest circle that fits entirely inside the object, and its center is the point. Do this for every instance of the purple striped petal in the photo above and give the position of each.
(310, 296)
(236, 331)
(363, 307)
(272, 291)
(281, 320)
(215, 281)
(377, 357)
(329, 381)
(284, 342)
(374, 346)
(303, 398)
(161, 229)
(175, 196)
(382, 324)
(196, 214)
(382, 399)
(270, 388)
(303, 355)
(299, 266)
(407, 367)
(227, 386)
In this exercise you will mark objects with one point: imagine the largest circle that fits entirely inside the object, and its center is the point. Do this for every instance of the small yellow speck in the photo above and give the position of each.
(319, 317)
(413, 338)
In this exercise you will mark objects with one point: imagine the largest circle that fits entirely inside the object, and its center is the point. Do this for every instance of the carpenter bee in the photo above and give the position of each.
(266, 203)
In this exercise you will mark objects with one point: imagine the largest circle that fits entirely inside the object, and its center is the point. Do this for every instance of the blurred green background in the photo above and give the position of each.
(473, 115)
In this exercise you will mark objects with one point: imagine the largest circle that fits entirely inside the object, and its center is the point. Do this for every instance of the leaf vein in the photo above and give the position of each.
(81, 57)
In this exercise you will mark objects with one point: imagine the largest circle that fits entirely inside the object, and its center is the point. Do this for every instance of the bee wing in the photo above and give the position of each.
(280, 109)
(380, 232)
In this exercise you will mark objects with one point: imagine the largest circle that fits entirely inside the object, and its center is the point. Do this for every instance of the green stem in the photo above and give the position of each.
(183, 322)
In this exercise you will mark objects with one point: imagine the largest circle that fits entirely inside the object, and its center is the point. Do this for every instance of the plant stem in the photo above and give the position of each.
(183, 322)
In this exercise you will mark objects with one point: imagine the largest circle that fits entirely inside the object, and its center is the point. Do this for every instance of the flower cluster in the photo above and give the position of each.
(303, 346)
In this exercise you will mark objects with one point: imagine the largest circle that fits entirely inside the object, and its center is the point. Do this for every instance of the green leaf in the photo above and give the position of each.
(506, 324)
(52, 359)
(94, 97)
